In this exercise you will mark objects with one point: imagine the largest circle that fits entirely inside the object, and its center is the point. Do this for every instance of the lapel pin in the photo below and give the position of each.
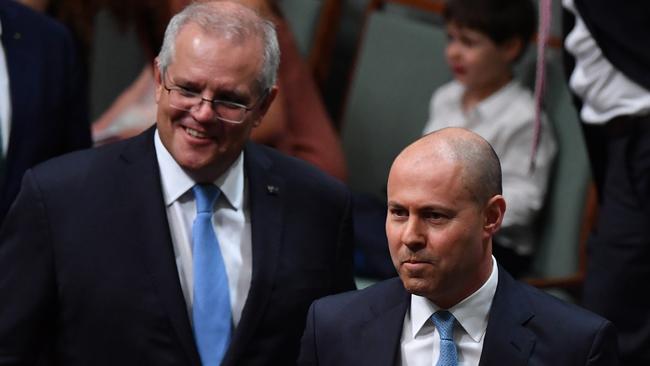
(17, 35)
(272, 189)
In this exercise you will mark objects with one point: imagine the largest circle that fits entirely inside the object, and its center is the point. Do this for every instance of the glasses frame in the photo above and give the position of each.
(213, 102)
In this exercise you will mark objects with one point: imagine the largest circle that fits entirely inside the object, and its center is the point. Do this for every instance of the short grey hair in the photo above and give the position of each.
(231, 21)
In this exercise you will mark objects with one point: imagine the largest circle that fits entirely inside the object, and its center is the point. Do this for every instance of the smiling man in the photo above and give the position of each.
(186, 245)
(452, 304)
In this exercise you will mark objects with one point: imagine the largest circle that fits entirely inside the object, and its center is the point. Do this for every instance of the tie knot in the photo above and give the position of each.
(205, 195)
(444, 322)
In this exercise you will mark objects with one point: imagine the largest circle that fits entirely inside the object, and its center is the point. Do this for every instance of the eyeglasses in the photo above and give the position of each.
(189, 101)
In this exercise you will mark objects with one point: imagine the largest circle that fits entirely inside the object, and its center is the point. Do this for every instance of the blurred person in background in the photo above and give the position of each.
(43, 100)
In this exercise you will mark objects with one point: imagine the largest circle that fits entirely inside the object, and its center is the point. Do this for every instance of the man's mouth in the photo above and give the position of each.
(195, 133)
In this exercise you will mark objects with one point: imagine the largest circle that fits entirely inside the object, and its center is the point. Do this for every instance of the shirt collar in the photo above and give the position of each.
(472, 313)
(493, 104)
(176, 182)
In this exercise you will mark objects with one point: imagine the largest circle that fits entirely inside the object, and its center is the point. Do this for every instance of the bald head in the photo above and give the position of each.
(481, 170)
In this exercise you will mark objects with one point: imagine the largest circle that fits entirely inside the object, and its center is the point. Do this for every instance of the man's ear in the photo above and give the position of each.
(495, 209)
(265, 104)
(157, 77)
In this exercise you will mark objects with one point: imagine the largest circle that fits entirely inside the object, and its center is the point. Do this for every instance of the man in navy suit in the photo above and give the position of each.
(96, 264)
(43, 108)
(444, 207)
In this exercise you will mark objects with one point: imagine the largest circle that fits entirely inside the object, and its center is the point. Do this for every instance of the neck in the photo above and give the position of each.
(476, 94)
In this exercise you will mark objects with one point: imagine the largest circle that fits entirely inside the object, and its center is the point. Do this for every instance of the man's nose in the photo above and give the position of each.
(413, 235)
(204, 112)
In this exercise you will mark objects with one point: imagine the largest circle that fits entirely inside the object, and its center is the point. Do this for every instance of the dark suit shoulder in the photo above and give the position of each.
(528, 326)
(562, 333)
(566, 315)
(357, 327)
(41, 24)
(90, 166)
(300, 171)
(380, 296)
(308, 186)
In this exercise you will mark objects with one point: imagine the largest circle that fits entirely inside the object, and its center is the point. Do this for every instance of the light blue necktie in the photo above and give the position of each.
(211, 312)
(444, 322)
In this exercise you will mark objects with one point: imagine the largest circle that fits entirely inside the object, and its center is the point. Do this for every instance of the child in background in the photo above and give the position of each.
(485, 39)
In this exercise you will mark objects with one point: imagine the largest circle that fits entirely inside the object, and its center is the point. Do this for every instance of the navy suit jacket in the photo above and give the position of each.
(525, 327)
(88, 274)
(48, 101)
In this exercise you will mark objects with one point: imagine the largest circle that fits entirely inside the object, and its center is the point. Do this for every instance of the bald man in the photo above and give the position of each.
(452, 304)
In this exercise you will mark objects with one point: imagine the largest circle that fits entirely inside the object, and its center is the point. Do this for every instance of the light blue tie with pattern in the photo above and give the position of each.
(211, 311)
(444, 322)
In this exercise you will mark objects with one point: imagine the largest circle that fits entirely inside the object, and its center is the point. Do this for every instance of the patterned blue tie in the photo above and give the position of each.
(211, 312)
(444, 322)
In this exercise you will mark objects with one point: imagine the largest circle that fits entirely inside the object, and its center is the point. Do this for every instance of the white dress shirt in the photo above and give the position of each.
(231, 222)
(5, 100)
(505, 119)
(605, 91)
(420, 343)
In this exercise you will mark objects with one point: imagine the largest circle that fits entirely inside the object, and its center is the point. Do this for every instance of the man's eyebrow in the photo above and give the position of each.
(232, 95)
(221, 94)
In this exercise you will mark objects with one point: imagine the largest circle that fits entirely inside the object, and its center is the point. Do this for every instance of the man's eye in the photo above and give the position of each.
(432, 215)
(230, 105)
(186, 92)
(398, 212)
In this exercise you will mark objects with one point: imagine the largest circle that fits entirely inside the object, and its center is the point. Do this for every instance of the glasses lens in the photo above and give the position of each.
(229, 112)
(183, 100)
(224, 111)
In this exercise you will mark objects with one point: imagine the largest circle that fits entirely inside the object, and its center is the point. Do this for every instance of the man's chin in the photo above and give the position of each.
(416, 285)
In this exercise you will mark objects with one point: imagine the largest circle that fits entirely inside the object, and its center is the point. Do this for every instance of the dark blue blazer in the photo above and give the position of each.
(48, 102)
(88, 274)
(526, 327)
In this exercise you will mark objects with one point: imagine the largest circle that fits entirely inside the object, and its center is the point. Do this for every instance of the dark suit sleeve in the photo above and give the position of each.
(308, 343)
(344, 280)
(27, 286)
(604, 349)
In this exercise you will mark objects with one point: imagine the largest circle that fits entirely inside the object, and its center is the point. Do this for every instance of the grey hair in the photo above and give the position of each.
(235, 23)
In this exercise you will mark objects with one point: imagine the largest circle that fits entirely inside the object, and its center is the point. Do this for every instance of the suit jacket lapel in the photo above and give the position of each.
(141, 189)
(507, 340)
(381, 334)
(266, 191)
